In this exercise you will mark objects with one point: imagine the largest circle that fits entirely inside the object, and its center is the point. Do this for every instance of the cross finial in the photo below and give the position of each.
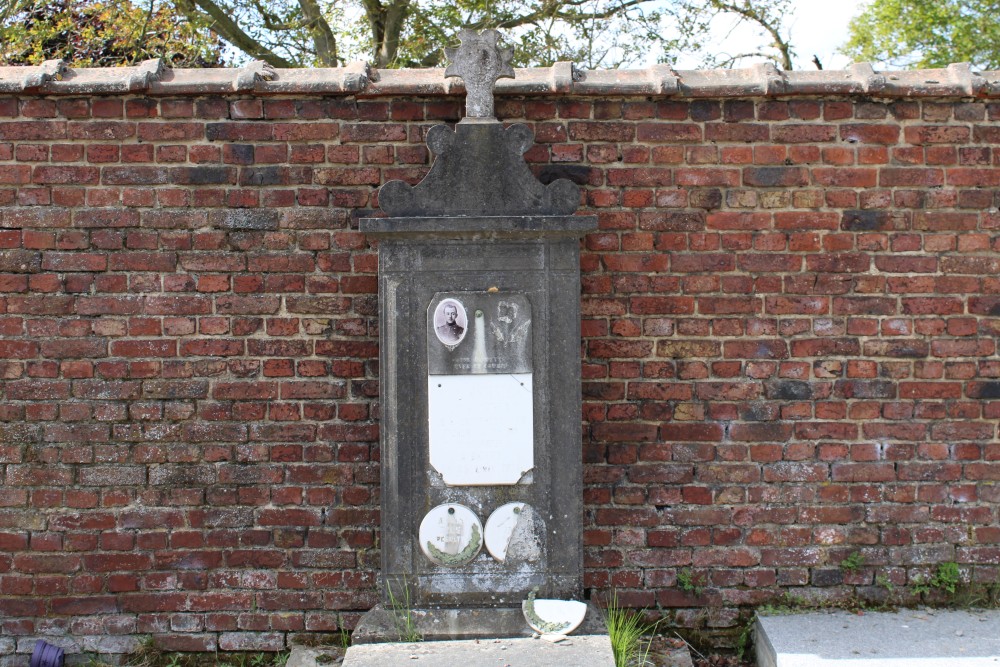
(479, 61)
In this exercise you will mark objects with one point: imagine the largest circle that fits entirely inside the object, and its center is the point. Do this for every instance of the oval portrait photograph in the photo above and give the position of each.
(450, 322)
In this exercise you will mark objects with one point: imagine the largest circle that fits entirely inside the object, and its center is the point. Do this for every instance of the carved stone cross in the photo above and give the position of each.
(479, 61)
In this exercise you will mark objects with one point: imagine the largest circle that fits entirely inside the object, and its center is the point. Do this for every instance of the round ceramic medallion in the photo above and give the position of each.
(451, 535)
(500, 529)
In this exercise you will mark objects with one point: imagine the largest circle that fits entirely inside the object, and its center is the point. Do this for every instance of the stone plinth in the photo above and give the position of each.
(531, 257)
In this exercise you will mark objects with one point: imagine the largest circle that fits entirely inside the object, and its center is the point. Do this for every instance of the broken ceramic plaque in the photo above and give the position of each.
(510, 530)
(481, 428)
(553, 616)
(451, 535)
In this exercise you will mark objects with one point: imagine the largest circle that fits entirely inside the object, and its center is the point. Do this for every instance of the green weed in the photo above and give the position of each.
(744, 643)
(984, 596)
(883, 581)
(953, 591)
(688, 582)
(406, 627)
(853, 562)
(146, 655)
(947, 577)
(626, 629)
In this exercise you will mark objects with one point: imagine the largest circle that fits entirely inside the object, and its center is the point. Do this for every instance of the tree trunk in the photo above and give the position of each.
(323, 40)
(387, 23)
(223, 24)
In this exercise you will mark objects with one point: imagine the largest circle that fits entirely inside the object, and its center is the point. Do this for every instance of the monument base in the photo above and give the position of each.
(385, 625)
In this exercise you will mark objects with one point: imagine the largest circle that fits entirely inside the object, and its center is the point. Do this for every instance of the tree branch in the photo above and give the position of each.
(223, 24)
(729, 61)
(271, 21)
(552, 12)
(751, 14)
(10, 7)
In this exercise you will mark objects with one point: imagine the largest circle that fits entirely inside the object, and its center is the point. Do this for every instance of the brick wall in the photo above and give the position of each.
(789, 353)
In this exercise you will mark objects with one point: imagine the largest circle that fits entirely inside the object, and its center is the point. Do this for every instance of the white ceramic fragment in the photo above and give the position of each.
(554, 617)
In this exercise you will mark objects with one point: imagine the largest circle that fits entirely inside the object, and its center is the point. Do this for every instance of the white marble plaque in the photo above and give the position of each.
(451, 535)
(481, 428)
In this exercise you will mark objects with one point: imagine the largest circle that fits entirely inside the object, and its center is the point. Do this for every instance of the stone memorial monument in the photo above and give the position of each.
(480, 376)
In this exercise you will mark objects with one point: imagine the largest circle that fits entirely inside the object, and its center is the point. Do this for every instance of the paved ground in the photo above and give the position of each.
(908, 638)
(576, 651)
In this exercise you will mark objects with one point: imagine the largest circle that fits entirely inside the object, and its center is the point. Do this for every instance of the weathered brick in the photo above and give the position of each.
(788, 345)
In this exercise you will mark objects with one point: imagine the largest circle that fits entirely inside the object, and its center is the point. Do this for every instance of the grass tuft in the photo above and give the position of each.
(406, 627)
(626, 629)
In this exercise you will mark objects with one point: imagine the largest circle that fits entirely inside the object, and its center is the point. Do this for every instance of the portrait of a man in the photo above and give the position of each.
(450, 322)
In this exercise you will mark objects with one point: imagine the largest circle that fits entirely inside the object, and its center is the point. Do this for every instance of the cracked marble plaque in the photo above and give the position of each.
(451, 535)
(512, 534)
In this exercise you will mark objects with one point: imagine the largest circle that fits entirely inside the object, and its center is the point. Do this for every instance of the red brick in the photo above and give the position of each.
(710, 292)
(870, 134)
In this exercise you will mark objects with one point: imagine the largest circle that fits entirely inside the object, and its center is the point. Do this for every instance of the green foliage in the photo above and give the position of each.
(91, 33)
(883, 581)
(744, 643)
(388, 33)
(853, 562)
(954, 591)
(927, 33)
(984, 595)
(406, 627)
(789, 603)
(946, 577)
(920, 585)
(689, 583)
(413, 33)
(542, 32)
(95, 661)
(626, 629)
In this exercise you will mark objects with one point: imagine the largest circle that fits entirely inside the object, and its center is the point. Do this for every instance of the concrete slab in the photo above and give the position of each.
(576, 651)
(381, 625)
(907, 638)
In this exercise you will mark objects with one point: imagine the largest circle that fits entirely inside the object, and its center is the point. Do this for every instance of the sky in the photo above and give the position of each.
(817, 27)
